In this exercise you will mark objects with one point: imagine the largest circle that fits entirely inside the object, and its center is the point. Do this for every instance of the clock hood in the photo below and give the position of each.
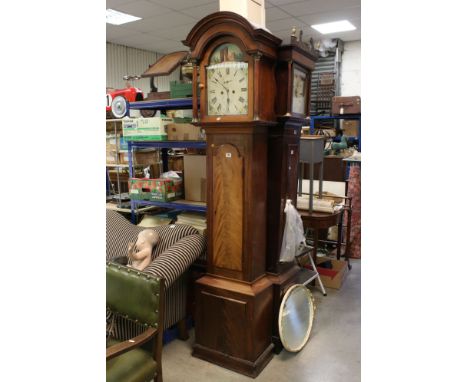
(220, 24)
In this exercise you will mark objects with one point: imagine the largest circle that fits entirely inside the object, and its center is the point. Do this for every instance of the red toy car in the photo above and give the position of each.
(116, 105)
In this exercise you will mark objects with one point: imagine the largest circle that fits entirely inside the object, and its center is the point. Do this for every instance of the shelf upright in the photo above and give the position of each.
(116, 166)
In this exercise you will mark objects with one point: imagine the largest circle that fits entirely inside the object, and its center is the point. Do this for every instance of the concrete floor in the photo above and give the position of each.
(333, 353)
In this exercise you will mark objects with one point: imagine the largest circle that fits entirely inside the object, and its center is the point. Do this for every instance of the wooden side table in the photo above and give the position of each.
(321, 220)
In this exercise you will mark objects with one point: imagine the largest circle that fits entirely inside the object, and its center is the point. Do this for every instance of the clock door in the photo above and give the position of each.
(226, 78)
(228, 205)
(227, 82)
(291, 171)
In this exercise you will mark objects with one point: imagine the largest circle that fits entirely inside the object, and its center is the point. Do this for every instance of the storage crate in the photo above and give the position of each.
(180, 90)
(161, 190)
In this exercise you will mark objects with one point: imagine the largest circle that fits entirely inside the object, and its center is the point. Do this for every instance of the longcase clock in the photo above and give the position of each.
(295, 62)
(234, 67)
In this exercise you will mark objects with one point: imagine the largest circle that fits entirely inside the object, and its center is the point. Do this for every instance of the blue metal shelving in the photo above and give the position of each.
(171, 205)
(178, 104)
(163, 104)
(356, 117)
(166, 144)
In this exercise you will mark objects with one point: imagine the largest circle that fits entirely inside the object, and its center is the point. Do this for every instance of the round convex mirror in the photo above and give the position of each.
(296, 317)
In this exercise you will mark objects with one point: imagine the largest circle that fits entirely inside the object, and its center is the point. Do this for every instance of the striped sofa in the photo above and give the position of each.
(179, 246)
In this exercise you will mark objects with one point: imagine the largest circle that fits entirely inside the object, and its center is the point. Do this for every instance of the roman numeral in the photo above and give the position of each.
(235, 73)
(213, 100)
(243, 89)
(227, 70)
(212, 91)
(219, 107)
(241, 99)
(242, 79)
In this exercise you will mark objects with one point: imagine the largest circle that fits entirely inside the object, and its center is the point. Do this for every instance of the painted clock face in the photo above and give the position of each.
(227, 82)
(299, 91)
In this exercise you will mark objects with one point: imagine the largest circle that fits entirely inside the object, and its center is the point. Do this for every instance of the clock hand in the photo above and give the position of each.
(221, 84)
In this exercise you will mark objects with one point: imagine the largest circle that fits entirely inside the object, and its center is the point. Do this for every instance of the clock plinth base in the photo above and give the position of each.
(233, 323)
(281, 282)
(250, 369)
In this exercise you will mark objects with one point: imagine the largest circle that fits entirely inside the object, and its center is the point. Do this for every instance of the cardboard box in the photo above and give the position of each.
(146, 157)
(146, 129)
(161, 190)
(332, 278)
(350, 128)
(111, 157)
(180, 90)
(195, 177)
(183, 132)
(112, 142)
(123, 157)
(176, 163)
(184, 113)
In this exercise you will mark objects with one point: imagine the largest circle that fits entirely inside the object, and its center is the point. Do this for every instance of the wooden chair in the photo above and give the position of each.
(138, 297)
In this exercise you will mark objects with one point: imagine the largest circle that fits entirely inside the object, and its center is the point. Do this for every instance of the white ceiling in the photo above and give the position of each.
(166, 22)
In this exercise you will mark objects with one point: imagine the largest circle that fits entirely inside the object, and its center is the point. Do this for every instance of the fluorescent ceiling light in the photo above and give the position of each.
(336, 26)
(118, 18)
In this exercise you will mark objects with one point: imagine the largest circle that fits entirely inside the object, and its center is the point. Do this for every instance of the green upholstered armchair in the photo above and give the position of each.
(139, 298)
(180, 245)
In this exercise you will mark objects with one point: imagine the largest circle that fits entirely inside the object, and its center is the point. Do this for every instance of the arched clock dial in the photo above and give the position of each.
(227, 82)
(299, 92)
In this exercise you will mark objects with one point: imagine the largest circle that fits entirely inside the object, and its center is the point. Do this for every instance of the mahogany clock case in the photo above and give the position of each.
(233, 325)
(283, 163)
(283, 145)
(293, 57)
(252, 162)
(260, 51)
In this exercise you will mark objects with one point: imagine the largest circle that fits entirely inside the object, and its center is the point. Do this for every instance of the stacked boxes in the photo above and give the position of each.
(161, 190)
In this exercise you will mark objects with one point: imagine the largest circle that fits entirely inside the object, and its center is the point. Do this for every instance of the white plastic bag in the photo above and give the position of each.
(293, 234)
(170, 175)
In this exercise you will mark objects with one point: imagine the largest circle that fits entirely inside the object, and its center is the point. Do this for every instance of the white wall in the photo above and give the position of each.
(351, 69)
(123, 60)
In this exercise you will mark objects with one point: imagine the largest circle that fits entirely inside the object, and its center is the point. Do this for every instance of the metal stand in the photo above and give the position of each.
(307, 276)
(311, 152)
